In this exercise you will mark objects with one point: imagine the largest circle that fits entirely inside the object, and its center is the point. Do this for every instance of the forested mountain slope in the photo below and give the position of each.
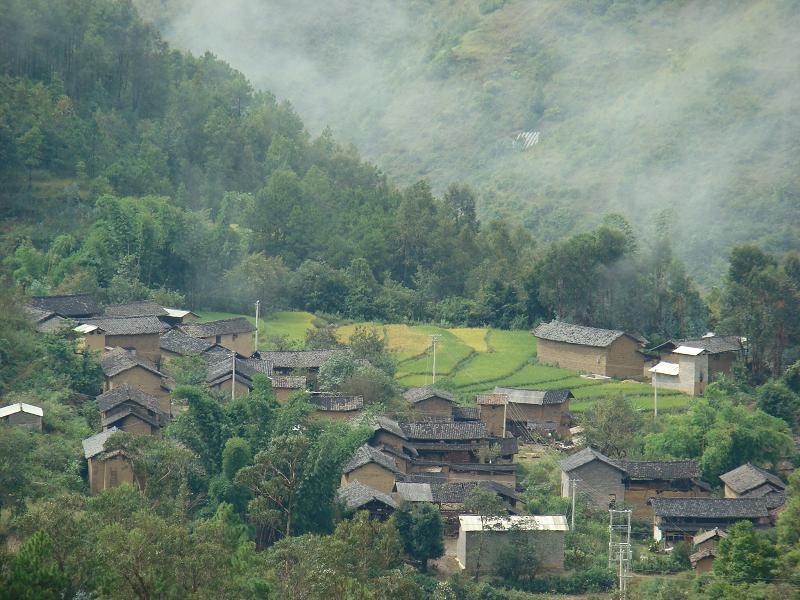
(640, 107)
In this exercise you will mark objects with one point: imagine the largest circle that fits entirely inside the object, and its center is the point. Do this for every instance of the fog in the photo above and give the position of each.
(688, 108)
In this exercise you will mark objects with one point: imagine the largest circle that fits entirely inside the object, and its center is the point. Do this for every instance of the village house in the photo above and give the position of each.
(148, 308)
(336, 407)
(680, 519)
(530, 412)
(138, 335)
(704, 549)
(21, 414)
(372, 467)
(545, 533)
(128, 408)
(357, 496)
(73, 306)
(750, 481)
(606, 481)
(300, 362)
(721, 352)
(175, 343)
(286, 385)
(46, 321)
(607, 352)
(90, 337)
(430, 403)
(234, 334)
(106, 469)
(122, 367)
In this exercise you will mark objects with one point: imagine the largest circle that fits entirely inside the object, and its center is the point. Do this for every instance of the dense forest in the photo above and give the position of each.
(133, 170)
(639, 106)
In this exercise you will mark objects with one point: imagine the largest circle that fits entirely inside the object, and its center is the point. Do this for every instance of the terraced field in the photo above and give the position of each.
(474, 359)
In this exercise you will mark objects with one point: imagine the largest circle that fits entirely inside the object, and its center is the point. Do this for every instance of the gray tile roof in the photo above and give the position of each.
(117, 360)
(708, 535)
(466, 413)
(367, 454)
(334, 403)
(145, 308)
(38, 314)
(221, 327)
(701, 554)
(288, 382)
(456, 492)
(713, 345)
(355, 495)
(128, 325)
(74, 305)
(390, 425)
(537, 397)
(124, 393)
(723, 508)
(748, 477)
(300, 359)
(52, 323)
(664, 470)
(177, 342)
(92, 446)
(585, 456)
(414, 492)
(445, 430)
(559, 331)
(419, 394)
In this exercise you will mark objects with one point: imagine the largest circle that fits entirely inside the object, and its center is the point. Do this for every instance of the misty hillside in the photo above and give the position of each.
(640, 107)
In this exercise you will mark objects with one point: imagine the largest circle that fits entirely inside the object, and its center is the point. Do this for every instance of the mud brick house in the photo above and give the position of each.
(106, 469)
(721, 352)
(91, 337)
(539, 411)
(22, 415)
(174, 343)
(143, 308)
(74, 306)
(286, 385)
(545, 533)
(128, 408)
(429, 403)
(632, 483)
(680, 519)
(339, 408)
(122, 367)
(234, 334)
(705, 549)
(448, 441)
(357, 496)
(139, 335)
(606, 352)
(750, 481)
(300, 362)
(372, 467)
(46, 321)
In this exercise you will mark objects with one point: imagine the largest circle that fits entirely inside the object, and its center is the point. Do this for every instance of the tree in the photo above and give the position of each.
(421, 529)
(745, 555)
(488, 506)
(34, 574)
(776, 399)
(612, 426)
(29, 146)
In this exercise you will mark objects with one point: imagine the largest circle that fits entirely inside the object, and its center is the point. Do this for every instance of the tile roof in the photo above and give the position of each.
(355, 495)
(559, 331)
(714, 344)
(117, 360)
(367, 454)
(723, 508)
(128, 325)
(38, 315)
(709, 535)
(537, 397)
(177, 342)
(660, 469)
(456, 492)
(585, 456)
(288, 382)
(124, 393)
(145, 308)
(414, 492)
(491, 399)
(73, 305)
(415, 395)
(157, 420)
(746, 477)
(92, 446)
(390, 425)
(466, 413)
(701, 554)
(52, 324)
(13, 409)
(215, 328)
(334, 403)
(445, 430)
(299, 359)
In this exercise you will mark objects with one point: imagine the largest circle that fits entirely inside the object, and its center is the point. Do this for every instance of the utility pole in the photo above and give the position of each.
(574, 483)
(505, 413)
(619, 546)
(655, 396)
(434, 337)
(233, 377)
(258, 305)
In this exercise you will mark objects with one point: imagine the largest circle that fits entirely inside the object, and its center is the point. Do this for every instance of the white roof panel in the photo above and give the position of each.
(665, 368)
(12, 409)
(84, 328)
(688, 350)
(176, 312)
(524, 522)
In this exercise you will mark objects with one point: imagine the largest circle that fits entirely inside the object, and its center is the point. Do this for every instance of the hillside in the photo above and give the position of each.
(637, 107)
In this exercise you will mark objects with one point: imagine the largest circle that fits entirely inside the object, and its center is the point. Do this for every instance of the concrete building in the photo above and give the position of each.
(545, 533)
(21, 414)
(606, 352)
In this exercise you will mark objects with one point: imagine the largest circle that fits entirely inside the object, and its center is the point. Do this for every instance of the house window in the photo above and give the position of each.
(113, 477)
(218, 339)
(235, 336)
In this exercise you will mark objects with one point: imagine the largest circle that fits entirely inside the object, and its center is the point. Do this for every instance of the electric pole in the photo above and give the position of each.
(574, 483)
(258, 305)
(619, 546)
(655, 396)
(434, 337)
(233, 377)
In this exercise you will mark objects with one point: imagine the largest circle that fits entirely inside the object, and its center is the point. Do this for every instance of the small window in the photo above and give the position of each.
(235, 336)
(218, 339)
(113, 477)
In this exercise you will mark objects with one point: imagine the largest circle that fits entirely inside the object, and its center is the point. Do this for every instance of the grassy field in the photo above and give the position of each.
(475, 360)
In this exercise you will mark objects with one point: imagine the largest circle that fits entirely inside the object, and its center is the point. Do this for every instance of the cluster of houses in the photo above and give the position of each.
(439, 451)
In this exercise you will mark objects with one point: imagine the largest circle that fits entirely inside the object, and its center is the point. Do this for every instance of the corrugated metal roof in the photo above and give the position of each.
(665, 368)
(20, 407)
(688, 350)
(524, 522)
